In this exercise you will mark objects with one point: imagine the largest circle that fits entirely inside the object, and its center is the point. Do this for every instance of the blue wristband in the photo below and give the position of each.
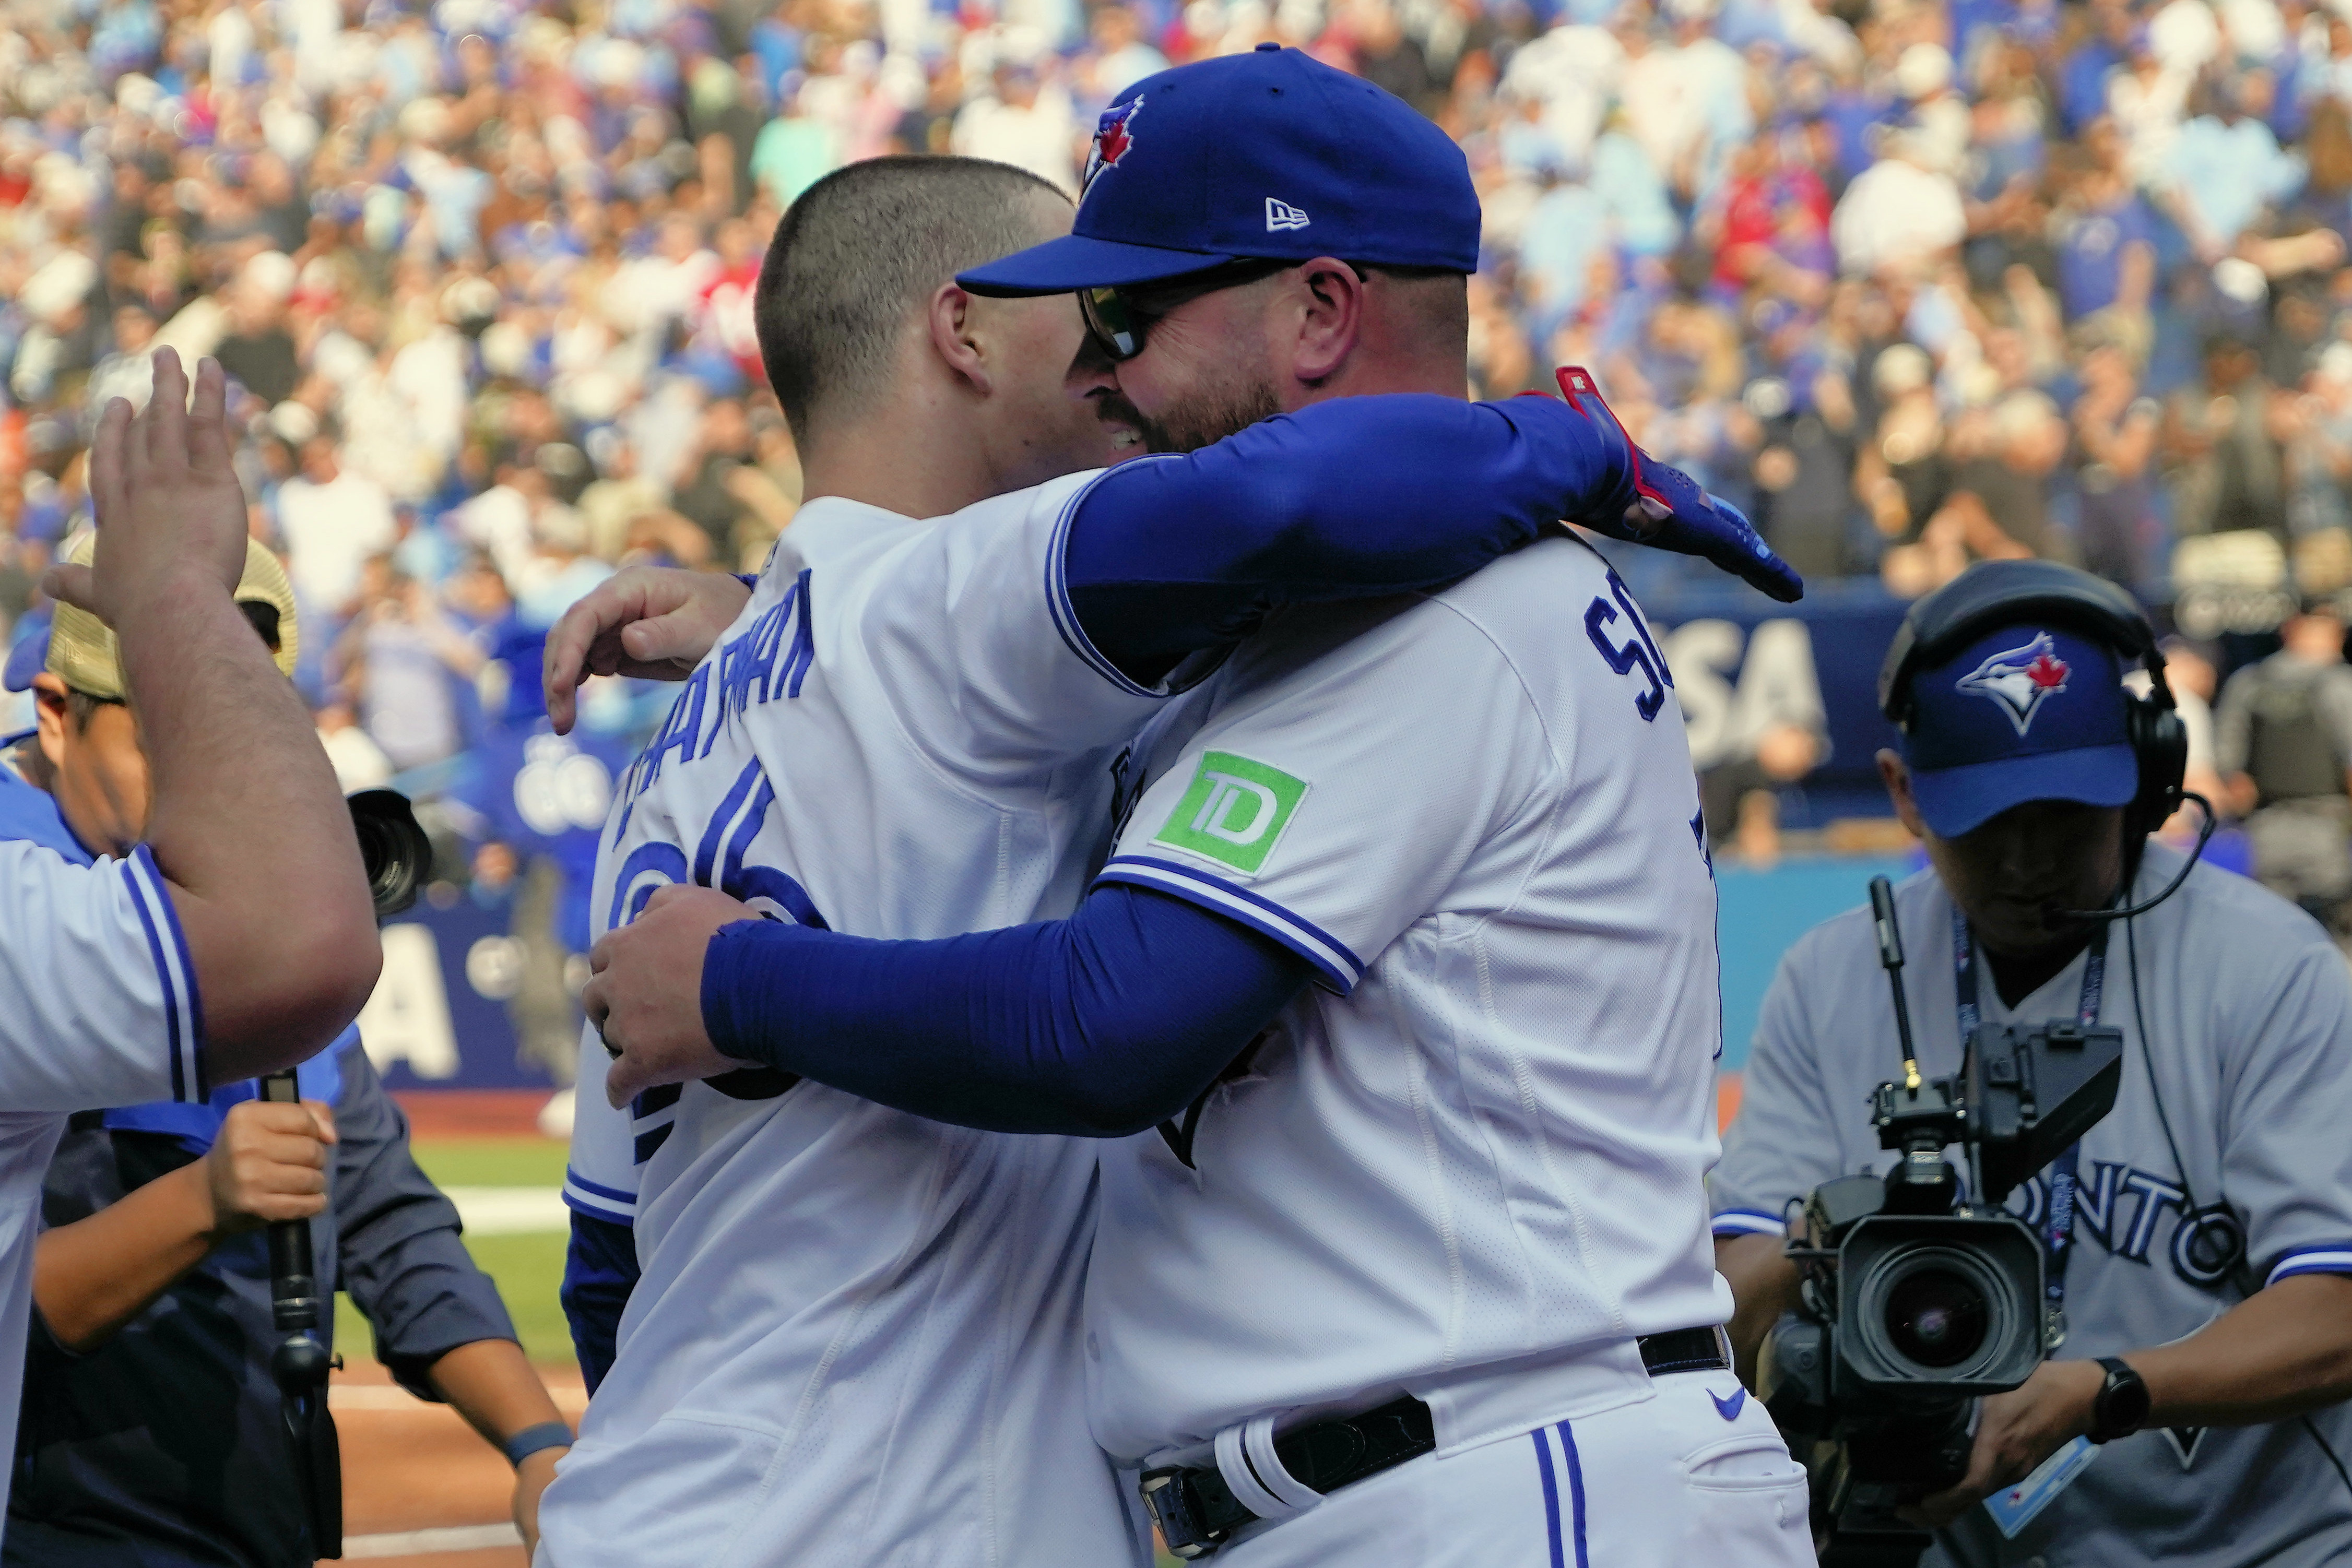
(531, 1439)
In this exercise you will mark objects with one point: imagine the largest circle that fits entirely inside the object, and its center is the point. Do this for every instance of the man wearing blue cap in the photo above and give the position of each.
(2204, 1262)
(1395, 1003)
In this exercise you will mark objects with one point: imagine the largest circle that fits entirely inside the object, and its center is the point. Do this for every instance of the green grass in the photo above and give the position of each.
(493, 1161)
(527, 1268)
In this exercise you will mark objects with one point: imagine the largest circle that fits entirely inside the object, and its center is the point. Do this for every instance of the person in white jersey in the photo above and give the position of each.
(852, 1338)
(238, 938)
(1398, 992)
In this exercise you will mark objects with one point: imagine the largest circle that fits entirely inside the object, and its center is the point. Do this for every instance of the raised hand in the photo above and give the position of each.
(653, 622)
(170, 511)
(1671, 512)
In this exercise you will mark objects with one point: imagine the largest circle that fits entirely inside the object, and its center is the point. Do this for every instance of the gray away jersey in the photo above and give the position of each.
(2249, 1014)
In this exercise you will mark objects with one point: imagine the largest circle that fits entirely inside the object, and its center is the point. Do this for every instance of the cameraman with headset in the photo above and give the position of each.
(2198, 1238)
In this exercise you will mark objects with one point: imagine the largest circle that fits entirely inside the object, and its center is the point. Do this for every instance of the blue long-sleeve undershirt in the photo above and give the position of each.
(1351, 498)
(1096, 1026)
(600, 1271)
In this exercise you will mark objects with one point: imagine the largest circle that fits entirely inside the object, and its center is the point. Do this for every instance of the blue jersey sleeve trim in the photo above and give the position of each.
(1749, 1222)
(183, 1008)
(598, 1189)
(2327, 1258)
(598, 1201)
(1339, 969)
(595, 1209)
(1058, 597)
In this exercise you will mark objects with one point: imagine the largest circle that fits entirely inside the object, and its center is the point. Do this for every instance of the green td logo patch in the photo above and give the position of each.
(1234, 810)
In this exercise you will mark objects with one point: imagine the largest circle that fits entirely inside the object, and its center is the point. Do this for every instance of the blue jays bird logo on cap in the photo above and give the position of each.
(2020, 679)
(1113, 136)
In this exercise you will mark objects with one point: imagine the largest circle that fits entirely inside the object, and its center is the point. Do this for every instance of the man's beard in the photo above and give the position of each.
(1209, 416)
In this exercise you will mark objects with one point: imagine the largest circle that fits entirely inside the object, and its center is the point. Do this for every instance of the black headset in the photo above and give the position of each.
(1997, 593)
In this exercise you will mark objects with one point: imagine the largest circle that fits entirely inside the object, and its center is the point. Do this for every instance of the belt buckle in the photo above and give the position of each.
(1175, 1505)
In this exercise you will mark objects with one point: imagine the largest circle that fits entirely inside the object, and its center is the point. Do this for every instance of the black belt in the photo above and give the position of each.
(1197, 1511)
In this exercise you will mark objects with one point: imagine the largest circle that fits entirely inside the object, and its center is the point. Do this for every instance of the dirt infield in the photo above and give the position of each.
(471, 1112)
(419, 1482)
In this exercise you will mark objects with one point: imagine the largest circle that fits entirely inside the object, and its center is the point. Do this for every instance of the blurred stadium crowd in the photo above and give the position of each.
(1916, 282)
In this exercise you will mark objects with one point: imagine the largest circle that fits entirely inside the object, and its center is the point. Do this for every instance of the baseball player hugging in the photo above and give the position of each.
(1391, 1013)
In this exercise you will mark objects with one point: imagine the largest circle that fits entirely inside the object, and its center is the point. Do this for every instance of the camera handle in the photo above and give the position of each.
(1923, 1168)
(1890, 955)
(301, 1362)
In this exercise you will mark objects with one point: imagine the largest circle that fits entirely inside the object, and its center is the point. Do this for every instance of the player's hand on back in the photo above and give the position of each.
(170, 511)
(649, 622)
(644, 992)
(1671, 512)
(268, 1163)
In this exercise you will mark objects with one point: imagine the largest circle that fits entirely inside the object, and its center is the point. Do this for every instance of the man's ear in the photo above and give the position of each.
(1897, 775)
(1330, 300)
(52, 716)
(956, 339)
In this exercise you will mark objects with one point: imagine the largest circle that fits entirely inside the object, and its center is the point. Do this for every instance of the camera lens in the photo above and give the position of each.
(394, 851)
(1936, 1317)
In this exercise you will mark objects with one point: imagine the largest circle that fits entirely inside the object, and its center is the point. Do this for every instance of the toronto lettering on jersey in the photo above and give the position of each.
(771, 657)
(2120, 1207)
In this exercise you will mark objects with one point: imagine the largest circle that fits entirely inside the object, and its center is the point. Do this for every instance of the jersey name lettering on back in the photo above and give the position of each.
(768, 659)
(772, 656)
(1639, 649)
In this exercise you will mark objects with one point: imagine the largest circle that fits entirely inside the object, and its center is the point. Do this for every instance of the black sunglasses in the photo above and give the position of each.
(1118, 315)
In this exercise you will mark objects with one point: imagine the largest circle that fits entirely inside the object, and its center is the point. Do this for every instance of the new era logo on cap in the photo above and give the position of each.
(2020, 679)
(1281, 215)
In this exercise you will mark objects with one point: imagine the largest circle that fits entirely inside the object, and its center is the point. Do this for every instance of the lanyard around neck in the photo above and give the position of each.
(2058, 1223)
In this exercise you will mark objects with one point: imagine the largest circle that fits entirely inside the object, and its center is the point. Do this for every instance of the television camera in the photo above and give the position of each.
(1920, 1292)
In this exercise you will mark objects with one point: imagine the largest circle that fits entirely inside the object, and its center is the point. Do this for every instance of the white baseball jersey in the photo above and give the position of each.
(856, 1340)
(98, 1007)
(2234, 1107)
(1470, 1164)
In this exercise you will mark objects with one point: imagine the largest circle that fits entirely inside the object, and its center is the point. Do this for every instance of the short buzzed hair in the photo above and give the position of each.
(860, 249)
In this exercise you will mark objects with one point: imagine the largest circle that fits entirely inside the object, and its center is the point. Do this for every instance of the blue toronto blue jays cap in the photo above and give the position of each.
(2022, 712)
(1268, 155)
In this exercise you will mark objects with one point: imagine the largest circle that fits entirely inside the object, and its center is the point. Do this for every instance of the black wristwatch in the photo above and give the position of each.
(2123, 1402)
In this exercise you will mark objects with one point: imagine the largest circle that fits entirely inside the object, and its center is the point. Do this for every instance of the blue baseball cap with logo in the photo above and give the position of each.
(1268, 155)
(2025, 712)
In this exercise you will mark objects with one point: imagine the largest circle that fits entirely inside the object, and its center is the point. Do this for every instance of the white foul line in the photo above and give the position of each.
(417, 1542)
